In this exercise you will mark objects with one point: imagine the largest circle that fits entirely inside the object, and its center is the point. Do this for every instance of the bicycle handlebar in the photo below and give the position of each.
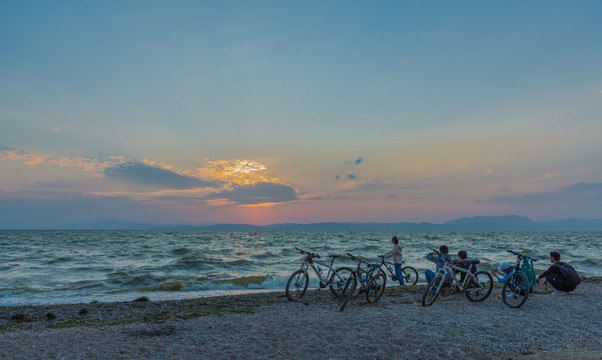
(312, 255)
(364, 262)
(522, 255)
(353, 257)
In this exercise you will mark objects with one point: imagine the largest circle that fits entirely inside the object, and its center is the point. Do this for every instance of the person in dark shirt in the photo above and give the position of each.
(560, 275)
(464, 263)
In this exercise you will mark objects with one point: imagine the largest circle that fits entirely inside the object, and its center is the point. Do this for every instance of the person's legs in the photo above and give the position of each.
(399, 274)
(558, 284)
(430, 275)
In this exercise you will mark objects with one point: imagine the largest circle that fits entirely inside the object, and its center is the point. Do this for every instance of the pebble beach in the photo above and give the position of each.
(267, 326)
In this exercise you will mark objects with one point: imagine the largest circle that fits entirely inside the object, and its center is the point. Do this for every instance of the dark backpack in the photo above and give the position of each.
(569, 274)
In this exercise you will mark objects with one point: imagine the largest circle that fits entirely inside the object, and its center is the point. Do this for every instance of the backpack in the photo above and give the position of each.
(570, 275)
(527, 270)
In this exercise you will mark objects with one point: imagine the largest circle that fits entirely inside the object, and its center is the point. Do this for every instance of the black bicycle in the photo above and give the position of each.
(370, 278)
(516, 289)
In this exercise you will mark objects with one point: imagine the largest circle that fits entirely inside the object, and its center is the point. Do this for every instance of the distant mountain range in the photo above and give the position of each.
(476, 223)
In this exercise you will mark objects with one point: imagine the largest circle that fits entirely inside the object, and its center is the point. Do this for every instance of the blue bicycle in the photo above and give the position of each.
(517, 288)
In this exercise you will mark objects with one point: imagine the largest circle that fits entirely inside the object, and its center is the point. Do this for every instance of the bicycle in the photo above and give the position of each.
(517, 288)
(477, 286)
(410, 275)
(299, 280)
(373, 285)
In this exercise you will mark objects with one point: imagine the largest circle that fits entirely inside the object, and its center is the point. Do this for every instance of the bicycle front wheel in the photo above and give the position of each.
(480, 290)
(339, 279)
(432, 291)
(347, 292)
(297, 285)
(410, 275)
(375, 286)
(515, 290)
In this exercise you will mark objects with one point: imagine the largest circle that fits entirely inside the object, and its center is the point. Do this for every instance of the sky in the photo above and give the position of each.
(265, 112)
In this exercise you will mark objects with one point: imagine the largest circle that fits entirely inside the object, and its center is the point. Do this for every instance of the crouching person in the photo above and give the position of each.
(505, 270)
(560, 275)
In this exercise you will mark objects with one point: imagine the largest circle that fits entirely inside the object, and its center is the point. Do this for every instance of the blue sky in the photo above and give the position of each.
(256, 112)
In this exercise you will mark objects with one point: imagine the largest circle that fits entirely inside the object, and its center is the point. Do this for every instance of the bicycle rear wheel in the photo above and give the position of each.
(297, 285)
(339, 279)
(481, 290)
(375, 286)
(410, 275)
(361, 279)
(432, 291)
(347, 292)
(515, 290)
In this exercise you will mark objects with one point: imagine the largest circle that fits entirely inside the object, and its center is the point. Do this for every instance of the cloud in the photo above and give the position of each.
(235, 171)
(535, 179)
(351, 177)
(359, 160)
(31, 159)
(144, 174)
(336, 177)
(91, 166)
(572, 193)
(259, 193)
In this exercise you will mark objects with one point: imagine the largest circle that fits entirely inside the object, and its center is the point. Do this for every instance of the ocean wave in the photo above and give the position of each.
(182, 250)
(144, 280)
(266, 254)
(588, 261)
(60, 259)
(240, 283)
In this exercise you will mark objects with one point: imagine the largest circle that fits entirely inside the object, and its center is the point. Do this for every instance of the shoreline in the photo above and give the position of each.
(268, 326)
(147, 310)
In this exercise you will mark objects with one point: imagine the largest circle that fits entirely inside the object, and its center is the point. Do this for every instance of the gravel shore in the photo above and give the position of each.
(266, 326)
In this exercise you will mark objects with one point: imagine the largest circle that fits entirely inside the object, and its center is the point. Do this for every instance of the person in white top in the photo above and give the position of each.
(395, 253)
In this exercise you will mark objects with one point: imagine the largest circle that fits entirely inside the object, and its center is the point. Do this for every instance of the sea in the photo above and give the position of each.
(54, 267)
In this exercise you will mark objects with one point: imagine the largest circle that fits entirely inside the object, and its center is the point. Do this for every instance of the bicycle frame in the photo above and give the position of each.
(309, 262)
(450, 269)
(389, 266)
(368, 269)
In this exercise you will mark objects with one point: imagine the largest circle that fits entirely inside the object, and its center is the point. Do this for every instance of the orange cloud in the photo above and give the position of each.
(31, 159)
(91, 166)
(236, 172)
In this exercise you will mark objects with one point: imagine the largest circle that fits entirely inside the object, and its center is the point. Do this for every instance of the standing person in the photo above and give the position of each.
(395, 253)
(438, 260)
(560, 275)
